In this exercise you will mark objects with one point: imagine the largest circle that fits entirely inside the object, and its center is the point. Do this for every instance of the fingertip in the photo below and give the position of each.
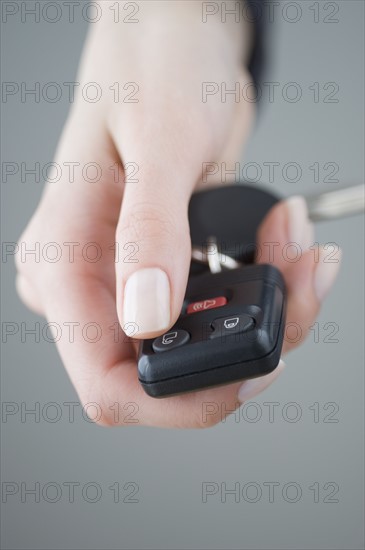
(146, 309)
(326, 272)
(271, 234)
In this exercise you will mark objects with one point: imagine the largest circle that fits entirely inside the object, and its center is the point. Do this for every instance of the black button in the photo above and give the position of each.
(170, 340)
(224, 326)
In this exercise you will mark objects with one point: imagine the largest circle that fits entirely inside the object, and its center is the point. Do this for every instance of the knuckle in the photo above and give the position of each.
(28, 295)
(99, 405)
(205, 423)
(22, 266)
(95, 410)
(212, 412)
(194, 417)
(147, 222)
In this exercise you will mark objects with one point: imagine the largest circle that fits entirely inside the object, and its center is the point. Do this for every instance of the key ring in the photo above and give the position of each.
(214, 259)
(231, 215)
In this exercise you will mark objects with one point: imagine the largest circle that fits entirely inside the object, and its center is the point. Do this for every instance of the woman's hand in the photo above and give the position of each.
(123, 242)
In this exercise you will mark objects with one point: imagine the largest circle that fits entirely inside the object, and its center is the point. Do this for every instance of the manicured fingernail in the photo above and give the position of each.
(326, 272)
(147, 301)
(300, 229)
(253, 387)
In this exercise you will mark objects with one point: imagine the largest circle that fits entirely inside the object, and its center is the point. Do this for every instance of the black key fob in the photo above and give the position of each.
(231, 328)
(232, 323)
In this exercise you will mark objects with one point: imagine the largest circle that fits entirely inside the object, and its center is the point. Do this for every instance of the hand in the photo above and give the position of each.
(168, 134)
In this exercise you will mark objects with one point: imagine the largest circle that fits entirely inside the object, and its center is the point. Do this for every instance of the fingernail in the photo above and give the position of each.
(326, 272)
(253, 387)
(147, 300)
(300, 230)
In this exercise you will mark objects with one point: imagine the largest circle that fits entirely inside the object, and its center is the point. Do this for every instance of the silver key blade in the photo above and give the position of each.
(337, 204)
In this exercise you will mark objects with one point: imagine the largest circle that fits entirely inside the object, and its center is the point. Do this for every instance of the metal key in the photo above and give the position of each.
(337, 204)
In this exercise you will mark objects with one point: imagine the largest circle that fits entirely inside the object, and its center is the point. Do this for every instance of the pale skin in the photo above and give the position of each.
(169, 133)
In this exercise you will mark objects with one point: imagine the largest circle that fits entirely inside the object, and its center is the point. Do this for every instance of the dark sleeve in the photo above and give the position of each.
(257, 59)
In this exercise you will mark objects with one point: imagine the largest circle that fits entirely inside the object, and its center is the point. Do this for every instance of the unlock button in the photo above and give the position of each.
(170, 340)
(224, 326)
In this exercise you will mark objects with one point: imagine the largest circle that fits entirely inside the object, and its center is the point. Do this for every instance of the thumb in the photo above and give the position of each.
(154, 243)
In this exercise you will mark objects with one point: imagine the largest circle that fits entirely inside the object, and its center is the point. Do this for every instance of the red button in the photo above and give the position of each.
(212, 303)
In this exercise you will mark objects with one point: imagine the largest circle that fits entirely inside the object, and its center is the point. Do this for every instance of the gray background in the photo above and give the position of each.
(170, 466)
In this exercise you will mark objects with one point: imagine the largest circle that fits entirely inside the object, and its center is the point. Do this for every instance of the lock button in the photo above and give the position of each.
(224, 326)
(170, 340)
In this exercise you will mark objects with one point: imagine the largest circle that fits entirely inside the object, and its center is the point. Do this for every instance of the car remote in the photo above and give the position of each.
(232, 322)
(231, 328)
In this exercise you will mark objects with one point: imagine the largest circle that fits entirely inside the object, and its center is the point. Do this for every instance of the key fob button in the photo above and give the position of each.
(203, 305)
(224, 326)
(170, 340)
